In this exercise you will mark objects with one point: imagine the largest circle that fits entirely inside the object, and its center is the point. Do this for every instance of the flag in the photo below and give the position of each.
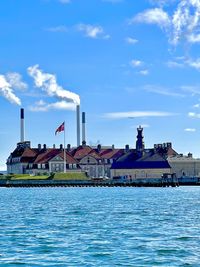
(60, 128)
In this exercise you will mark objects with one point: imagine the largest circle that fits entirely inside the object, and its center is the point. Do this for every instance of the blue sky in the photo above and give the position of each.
(121, 58)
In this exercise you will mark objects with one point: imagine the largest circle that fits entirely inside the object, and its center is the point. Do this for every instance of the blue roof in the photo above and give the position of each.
(132, 160)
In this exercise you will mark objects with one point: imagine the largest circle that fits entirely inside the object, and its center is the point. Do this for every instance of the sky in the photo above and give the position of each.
(126, 62)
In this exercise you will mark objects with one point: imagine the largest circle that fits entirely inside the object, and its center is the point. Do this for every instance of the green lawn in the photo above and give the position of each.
(56, 176)
(29, 177)
(70, 176)
(23, 177)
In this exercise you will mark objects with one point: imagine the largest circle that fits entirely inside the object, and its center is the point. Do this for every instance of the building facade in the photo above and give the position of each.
(184, 165)
(97, 162)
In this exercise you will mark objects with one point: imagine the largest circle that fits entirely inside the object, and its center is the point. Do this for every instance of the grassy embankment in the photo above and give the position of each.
(70, 176)
(56, 176)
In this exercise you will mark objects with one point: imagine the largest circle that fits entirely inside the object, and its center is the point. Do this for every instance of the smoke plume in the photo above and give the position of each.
(48, 83)
(7, 91)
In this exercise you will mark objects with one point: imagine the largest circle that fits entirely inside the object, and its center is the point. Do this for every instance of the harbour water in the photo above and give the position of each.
(100, 227)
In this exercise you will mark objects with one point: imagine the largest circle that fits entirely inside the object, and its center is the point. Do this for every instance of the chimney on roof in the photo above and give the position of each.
(61, 147)
(169, 144)
(39, 147)
(83, 128)
(68, 147)
(78, 124)
(113, 147)
(83, 143)
(127, 148)
(99, 147)
(54, 146)
(44, 146)
(189, 155)
(22, 138)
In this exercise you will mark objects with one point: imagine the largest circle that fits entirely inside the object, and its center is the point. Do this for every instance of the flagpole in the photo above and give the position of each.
(64, 151)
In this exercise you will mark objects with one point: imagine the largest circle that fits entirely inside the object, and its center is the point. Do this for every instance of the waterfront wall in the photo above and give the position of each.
(185, 166)
(139, 173)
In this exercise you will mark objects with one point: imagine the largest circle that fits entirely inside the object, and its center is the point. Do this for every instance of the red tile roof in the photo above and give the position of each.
(45, 156)
(111, 153)
(81, 151)
(69, 158)
(171, 152)
(28, 155)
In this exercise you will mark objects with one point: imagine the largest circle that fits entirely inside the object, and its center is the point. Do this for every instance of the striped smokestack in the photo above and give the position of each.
(83, 128)
(22, 125)
(78, 124)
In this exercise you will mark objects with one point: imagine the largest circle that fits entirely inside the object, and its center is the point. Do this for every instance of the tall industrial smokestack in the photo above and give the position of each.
(78, 124)
(22, 125)
(83, 127)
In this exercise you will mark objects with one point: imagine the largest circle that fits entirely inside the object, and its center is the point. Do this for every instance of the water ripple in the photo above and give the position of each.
(100, 227)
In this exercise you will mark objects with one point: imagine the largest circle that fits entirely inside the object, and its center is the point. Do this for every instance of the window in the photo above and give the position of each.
(43, 166)
(39, 166)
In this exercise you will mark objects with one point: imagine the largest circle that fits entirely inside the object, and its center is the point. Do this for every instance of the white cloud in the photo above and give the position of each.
(137, 114)
(144, 72)
(190, 130)
(194, 63)
(162, 91)
(7, 92)
(196, 106)
(131, 41)
(60, 28)
(194, 115)
(161, 2)
(65, 1)
(92, 31)
(136, 63)
(185, 20)
(43, 106)
(174, 64)
(48, 83)
(182, 25)
(194, 90)
(153, 16)
(194, 38)
(15, 80)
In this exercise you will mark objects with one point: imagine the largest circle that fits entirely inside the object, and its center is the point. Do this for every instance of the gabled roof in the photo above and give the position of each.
(17, 152)
(45, 155)
(150, 160)
(111, 153)
(94, 154)
(28, 155)
(171, 152)
(69, 158)
(81, 151)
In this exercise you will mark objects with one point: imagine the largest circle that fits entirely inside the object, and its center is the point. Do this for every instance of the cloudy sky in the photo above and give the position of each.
(127, 63)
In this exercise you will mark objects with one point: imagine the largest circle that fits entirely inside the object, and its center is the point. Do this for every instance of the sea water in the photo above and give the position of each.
(100, 226)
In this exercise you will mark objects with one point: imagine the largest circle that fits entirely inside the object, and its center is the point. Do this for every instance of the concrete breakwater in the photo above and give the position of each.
(88, 183)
